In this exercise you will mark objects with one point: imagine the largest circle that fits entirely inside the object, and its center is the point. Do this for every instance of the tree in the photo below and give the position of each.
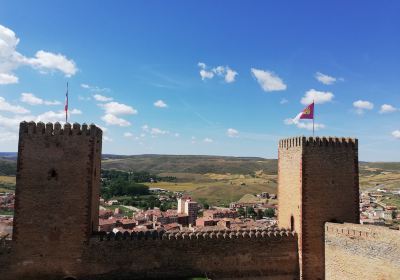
(241, 211)
(250, 211)
(269, 212)
(206, 206)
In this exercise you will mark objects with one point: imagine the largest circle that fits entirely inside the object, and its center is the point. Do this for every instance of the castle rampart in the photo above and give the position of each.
(269, 254)
(355, 251)
(56, 216)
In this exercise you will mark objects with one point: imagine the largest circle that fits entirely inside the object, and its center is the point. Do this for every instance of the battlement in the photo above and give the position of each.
(317, 141)
(50, 129)
(270, 233)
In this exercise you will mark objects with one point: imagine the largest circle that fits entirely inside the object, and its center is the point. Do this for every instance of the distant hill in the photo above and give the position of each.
(190, 164)
(194, 164)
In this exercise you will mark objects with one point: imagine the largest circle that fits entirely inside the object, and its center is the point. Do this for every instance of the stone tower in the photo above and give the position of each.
(57, 194)
(318, 183)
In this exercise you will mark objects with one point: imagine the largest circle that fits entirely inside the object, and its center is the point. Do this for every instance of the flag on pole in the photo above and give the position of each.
(66, 105)
(307, 113)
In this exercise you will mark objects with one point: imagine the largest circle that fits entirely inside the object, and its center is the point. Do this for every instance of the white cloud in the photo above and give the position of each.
(156, 131)
(7, 107)
(231, 132)
(6, 79)
(230, 75)
(222, 71)
(75, 112)
(309, 125)
(145, 128)
(59, 116)
(102, 98)
(268, 80)
(208, 140)
(325, 79)
(50, 61)
(304, 125)
(111, 119)
(13, 122)
(107, 139)
(11, 59)
(284, 101)
(31, 99)
(128, 134)
(160, 104)
(396, 134)
(94, 88)
(387, 108)
(362, 105)
(319, 97)
(6, 136)
(206, 74)
(177, 135)
(116, 108)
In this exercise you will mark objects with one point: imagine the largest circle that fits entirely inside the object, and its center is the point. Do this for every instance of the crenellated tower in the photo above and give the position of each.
(318, 183)
(57, 192)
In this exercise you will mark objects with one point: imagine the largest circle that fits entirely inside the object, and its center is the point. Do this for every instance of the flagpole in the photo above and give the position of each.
(313, 119)
(66, 106)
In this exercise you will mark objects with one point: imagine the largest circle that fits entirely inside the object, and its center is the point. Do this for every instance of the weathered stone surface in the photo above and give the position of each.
(361, 252)
(318, 182)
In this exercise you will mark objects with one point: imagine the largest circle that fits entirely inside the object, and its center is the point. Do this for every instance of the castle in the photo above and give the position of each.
(56, 218)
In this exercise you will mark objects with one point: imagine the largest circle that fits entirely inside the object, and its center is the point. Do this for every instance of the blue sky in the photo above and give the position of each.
(216, 77)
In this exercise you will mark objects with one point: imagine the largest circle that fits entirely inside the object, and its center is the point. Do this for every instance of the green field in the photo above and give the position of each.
(214, 179)
(221, 189)
(7, 184)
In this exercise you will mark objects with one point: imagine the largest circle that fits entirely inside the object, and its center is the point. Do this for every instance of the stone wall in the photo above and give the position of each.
(268, 254)
(318, 182)
(57, 194)
(218, 255)
(361, 252)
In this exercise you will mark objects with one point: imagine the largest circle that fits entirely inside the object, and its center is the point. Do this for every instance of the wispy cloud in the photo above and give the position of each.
(111, 119)
(268, 80)
(31, 99)
(319, 97)
(325, 79)
(102, 98)
(304, 124)
(94, 88)
(160, 104)
(283, 101)
(226, 72)
(116, 108)
(387, 108)
(7, 107)
(361, 106)
(231, 132)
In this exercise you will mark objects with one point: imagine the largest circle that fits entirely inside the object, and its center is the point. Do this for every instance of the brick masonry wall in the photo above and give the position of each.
(330, 193)
(57, 178)
(366, 252)
(239, 255)
(318, 182)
